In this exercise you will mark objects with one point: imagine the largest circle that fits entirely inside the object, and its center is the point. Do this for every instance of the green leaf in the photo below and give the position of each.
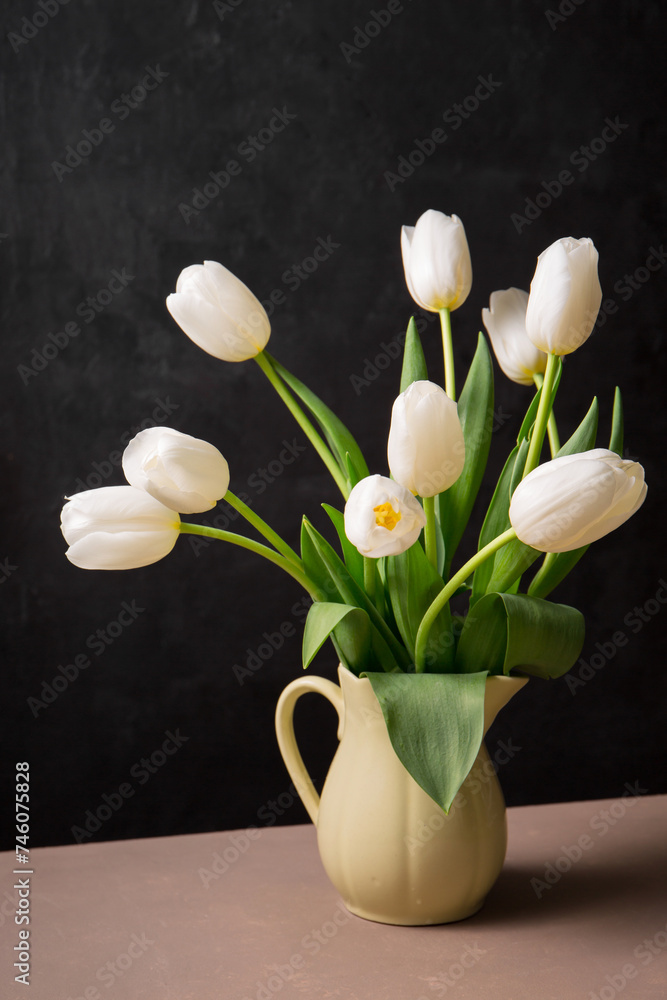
(583, 438)
(414, 363)
(413, 584)
(505, 631)
(557, 565)
(436, 724)
(616, 439)
(351, 554)
(339, 438)
(475, 410)
(510, 563)
(325, 567)
(555, 568)
(323, 618)
(497, 517)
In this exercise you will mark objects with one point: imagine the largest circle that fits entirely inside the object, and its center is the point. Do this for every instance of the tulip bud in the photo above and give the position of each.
(216, 310)
(505, 322)
(436, 259)
(574, 500)
(382, 518)
(565, 296)
(182, 472)
(117, 527)
(426, 449)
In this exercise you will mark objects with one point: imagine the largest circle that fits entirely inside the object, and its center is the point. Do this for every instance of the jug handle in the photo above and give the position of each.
(287, 740)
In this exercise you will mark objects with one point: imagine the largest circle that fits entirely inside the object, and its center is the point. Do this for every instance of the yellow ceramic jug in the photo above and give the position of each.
(389, 849)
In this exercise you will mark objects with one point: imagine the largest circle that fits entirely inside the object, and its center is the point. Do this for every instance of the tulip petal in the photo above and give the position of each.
(120, 549)
(505, 323)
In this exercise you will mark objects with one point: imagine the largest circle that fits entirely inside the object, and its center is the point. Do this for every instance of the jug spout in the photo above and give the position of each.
(498, 692)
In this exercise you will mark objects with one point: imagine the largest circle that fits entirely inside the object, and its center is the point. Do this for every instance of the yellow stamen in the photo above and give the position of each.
(386, 516)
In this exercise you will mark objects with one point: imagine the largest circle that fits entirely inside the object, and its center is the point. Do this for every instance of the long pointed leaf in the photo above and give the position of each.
(351, 554)
(475, 410)
(414, 363)
(497, 517)
(556, 566)
(413, 584)
(616, 439)
(322, 562)
(323, 618)
(436, 724)
(339, 438)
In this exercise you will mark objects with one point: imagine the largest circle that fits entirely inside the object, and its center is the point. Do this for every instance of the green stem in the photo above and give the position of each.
(317, 441)
(370, 578)
(430, 539)
(552, 428)
(263, 528)
(258, 548)
(448, 352)
(543, 411)
(449, 589)
(536, 582)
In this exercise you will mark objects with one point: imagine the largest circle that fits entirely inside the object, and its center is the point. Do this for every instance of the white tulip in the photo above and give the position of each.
(505, 322)
(576, 499)
(565, 296)
(182, 472)
(117, 527)
(382, 518)
(426, 449)
(436, 259)
(219, 312)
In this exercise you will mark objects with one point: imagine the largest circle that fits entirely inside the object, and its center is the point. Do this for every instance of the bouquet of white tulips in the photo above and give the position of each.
(383, 593)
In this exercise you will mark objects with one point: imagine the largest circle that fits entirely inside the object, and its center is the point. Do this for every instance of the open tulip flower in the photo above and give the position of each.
(382, 592)
(382, 518)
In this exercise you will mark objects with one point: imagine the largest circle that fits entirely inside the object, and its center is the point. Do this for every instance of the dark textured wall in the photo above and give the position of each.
(80, 377)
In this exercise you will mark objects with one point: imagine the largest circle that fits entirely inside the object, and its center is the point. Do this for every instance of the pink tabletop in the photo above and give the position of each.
(580, 911)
